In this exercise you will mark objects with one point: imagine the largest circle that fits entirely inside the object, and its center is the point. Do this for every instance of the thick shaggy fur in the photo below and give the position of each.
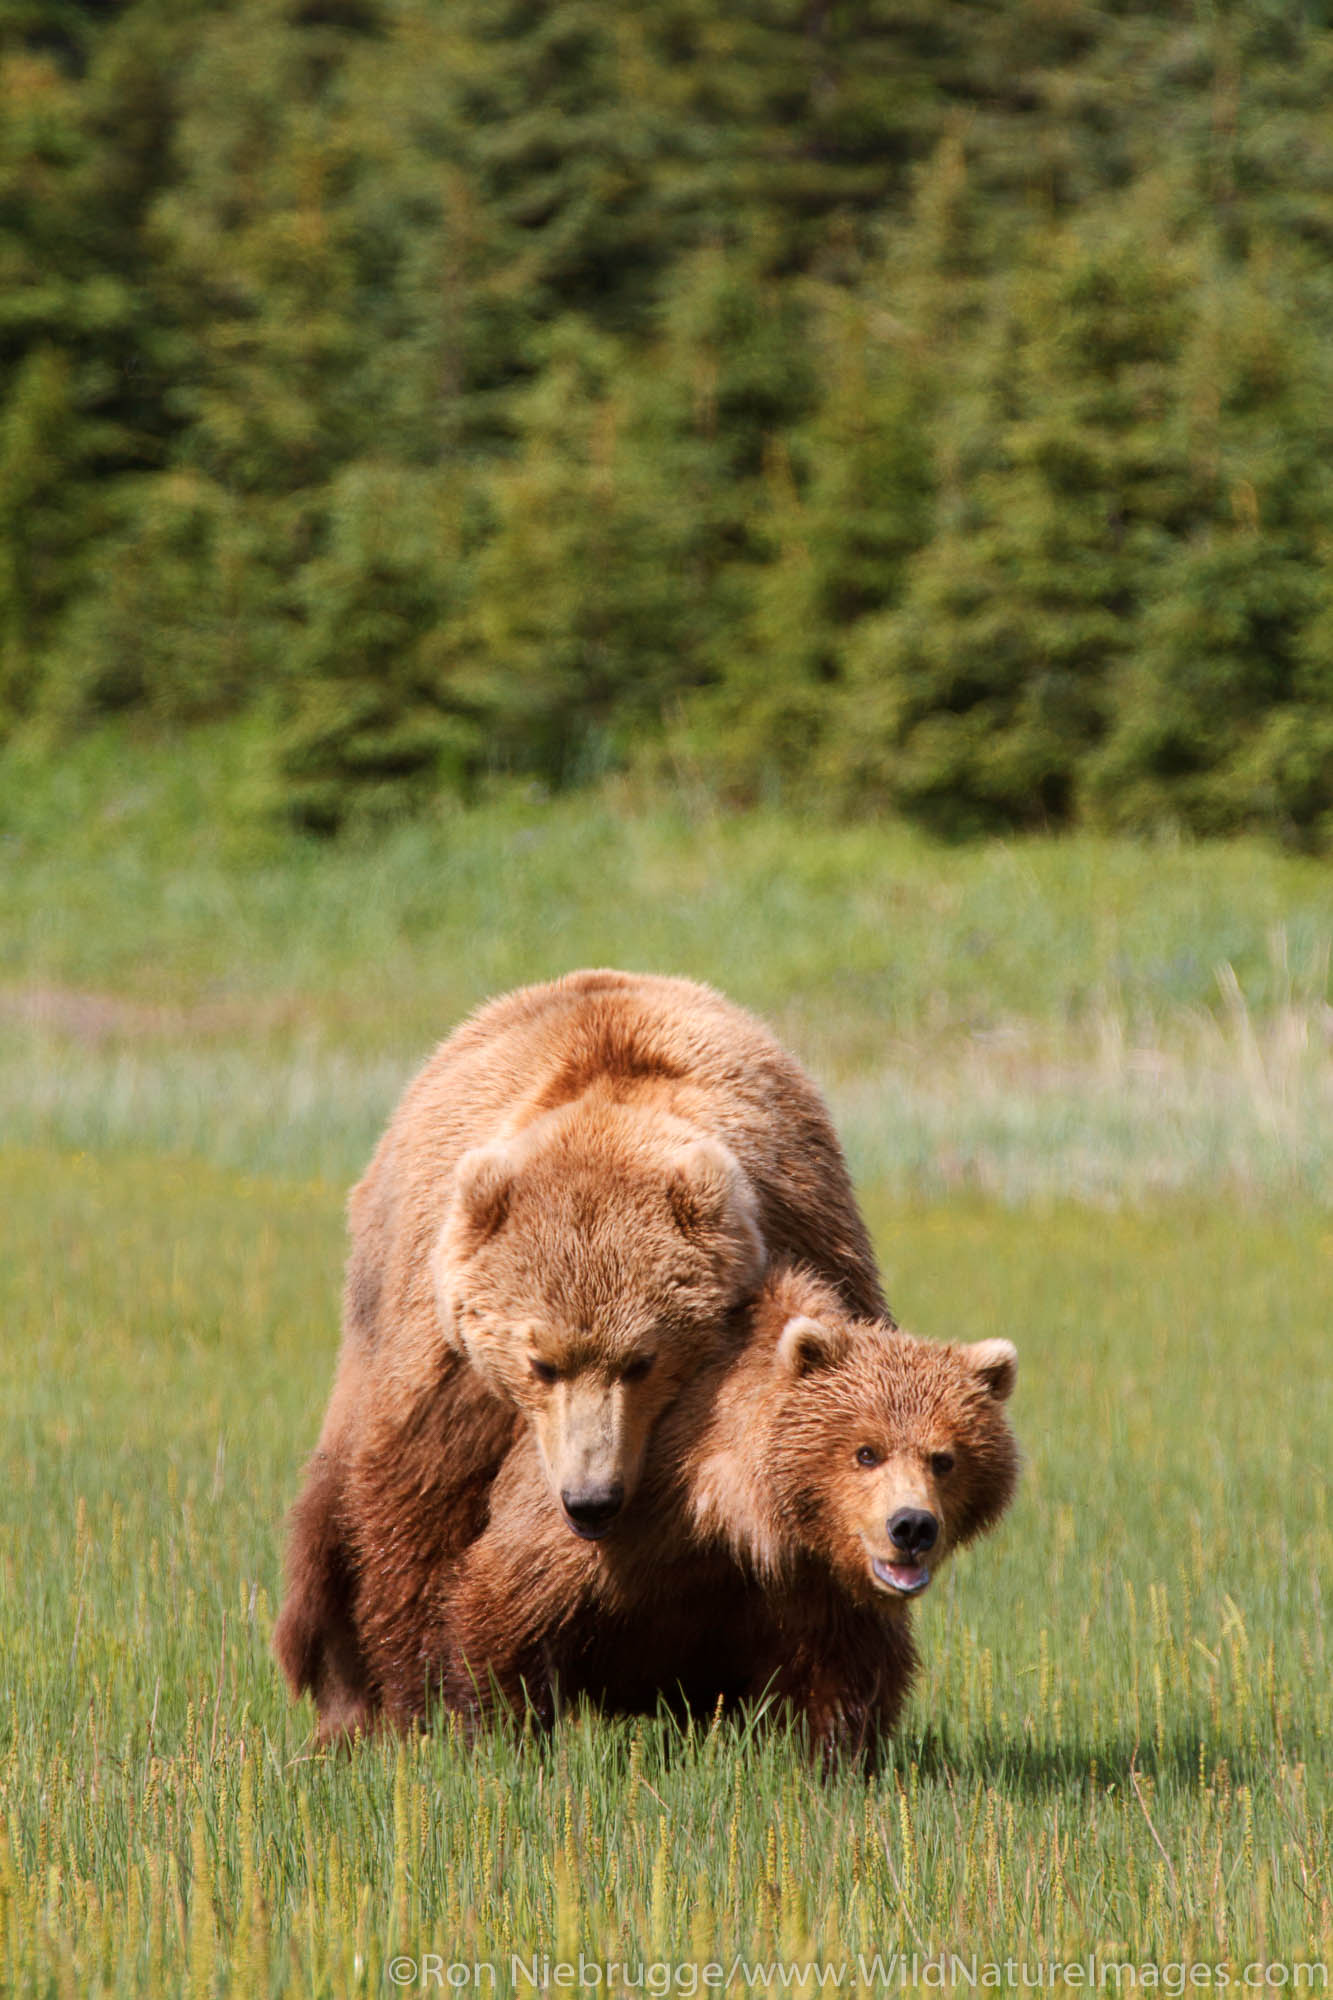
(567, 1209)
(749, 1560)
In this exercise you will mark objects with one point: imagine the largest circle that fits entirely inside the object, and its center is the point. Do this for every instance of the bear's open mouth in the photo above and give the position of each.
(906, 1579)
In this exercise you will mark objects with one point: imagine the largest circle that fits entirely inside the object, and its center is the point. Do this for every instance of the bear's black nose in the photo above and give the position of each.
(591, 1512)
(914, 1530)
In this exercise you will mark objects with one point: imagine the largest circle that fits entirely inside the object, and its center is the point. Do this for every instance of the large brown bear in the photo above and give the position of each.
(803, 1494)
(569, 1206)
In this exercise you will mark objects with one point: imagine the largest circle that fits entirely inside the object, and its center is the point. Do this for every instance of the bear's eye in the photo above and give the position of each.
(867, 1455)
(634, 1371)
(941, 1463)
(545, 1371)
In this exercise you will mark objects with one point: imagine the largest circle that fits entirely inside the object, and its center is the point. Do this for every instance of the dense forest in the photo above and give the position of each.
(886, 405)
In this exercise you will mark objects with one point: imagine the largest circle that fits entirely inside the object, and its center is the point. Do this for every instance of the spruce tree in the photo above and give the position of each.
(371, 721)
(1221, 719)
(848, 502)
(42, 526)
(978, 699)
(182, 616)
(582, 625)
(83, 345)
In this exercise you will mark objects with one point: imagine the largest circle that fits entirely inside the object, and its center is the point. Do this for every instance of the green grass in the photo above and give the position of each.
(131, 866)
(1022, 1020)
(1121, 1739)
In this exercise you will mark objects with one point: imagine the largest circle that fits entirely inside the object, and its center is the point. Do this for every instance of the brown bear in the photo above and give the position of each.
(803, 1495)
(554, 1235)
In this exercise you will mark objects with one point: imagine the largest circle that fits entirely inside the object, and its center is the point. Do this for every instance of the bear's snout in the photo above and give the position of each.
(591, 1511)
(913, 1530)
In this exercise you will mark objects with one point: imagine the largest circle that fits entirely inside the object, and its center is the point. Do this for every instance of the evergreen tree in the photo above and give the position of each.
(40, 528)
(582, 626)
(979, 698)
(255, 235)
(183, 616)
(83, 351)
(849, 501)
(1222, 718)
(922, 402)
(372, 722)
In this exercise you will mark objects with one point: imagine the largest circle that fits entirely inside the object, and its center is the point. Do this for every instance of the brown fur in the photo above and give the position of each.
(746, 1563)
(587, 1178)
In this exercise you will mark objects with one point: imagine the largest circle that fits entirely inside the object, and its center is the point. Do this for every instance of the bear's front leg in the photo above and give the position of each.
(843, 1673)
(510, 1608)
(878, 1664)
(497, 1655)
(814, 1694)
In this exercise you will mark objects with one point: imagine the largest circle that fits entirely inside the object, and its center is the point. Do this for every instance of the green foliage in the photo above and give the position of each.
(982, 691)
(1224, 720)
(84, 345)
(38, 526)
(374, 719)
(845, 504)
(918, 407)
(580, 622)
(255, 229)
(184, 618)
(1226, 725)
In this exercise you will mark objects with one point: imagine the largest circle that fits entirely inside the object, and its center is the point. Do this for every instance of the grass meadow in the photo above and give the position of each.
(1087, 1090)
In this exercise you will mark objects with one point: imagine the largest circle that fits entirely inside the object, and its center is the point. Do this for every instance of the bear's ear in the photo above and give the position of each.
(995, 1363)
(806, 1345)
(483, 1185)
(709, 1193)
(701, 1186)
(707, 1185)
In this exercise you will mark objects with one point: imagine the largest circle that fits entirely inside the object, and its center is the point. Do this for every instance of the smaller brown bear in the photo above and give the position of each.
(809, 1491)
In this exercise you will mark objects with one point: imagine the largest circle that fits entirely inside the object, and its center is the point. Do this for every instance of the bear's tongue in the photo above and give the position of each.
(910, 1578)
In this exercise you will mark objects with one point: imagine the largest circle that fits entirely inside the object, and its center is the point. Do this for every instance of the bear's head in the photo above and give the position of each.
(587, 1267)
(886, 1453)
